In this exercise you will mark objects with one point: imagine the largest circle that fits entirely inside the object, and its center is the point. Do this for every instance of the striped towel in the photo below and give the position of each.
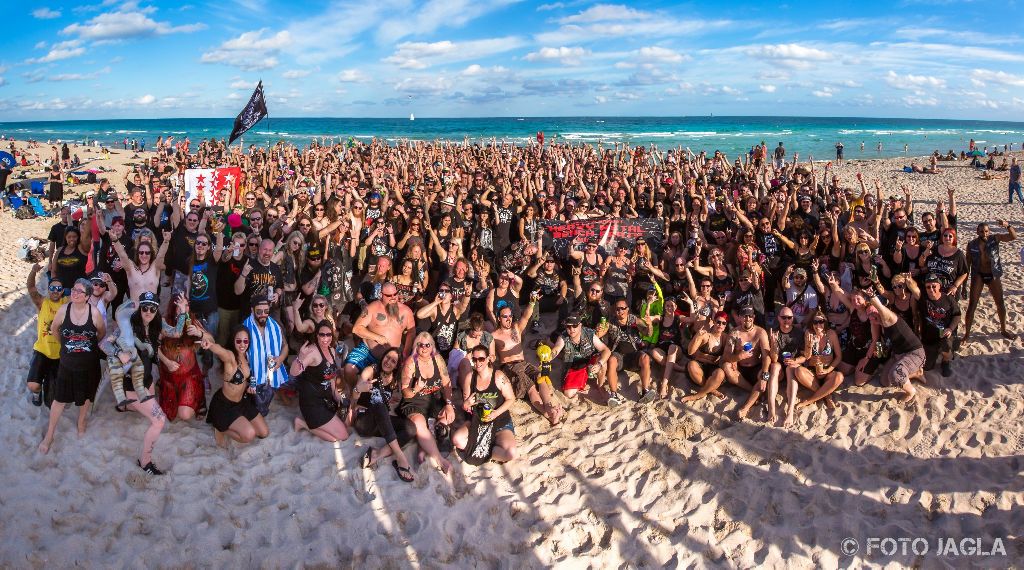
(262, 344)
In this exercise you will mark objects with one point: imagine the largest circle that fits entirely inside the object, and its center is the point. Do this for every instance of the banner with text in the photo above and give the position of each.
(560, 235)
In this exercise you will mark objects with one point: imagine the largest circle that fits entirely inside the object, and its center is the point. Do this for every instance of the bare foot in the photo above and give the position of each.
(718, 394)
(907, 399)
(829, 403)
(220, 438)
(788, 422)
(801, 405)
(663, 390)
(44, 447)
(443, 466)
(691, 398)
(81, 428)
(772, 418)
(554, 414)
(742, 413)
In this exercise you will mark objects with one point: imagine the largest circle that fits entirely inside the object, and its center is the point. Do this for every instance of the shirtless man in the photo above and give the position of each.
(507, 352)
(382, 326)
(747, 357)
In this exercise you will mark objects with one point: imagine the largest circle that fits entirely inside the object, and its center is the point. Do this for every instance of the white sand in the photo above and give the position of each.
(663, 485)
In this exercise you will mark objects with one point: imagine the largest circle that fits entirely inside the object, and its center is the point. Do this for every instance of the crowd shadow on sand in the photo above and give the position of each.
(831, 483)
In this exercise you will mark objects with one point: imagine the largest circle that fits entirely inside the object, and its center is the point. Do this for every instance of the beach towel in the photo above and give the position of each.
(263, 344)
(37, 207)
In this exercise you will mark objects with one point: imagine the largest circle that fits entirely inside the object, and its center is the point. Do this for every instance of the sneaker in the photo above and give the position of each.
(648, 396)
(149, 468)
(947, 369)
(615, 400)
(535, 327)
(36, 398)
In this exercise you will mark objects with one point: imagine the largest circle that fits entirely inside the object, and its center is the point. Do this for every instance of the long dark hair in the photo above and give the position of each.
(234, 349)
(150, 332)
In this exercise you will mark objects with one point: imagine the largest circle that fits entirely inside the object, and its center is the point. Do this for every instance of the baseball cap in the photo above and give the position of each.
(148, 298)
(747, 310)
(800, 271)
(933, 278)
(572, 321)
(314, 252)
(258, 300)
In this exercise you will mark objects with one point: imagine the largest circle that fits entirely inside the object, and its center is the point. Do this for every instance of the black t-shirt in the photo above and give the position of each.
(261, 279)
(938, 315)
(56, 234)
(227, 274)
(791, 342)
(203, 286)
(902, 338)
(182, 244)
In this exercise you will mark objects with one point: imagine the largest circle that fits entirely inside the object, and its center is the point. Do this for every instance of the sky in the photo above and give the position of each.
(481, 58)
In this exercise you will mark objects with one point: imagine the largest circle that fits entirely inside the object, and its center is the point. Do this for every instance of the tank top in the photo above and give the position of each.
(669, 334)
(46, 344)
(589, 271)
(548, 283)
(318, 380)
(509, 300)
(431, 384)
(78, 342)
(860, 332)
(443, 328)
(380, 393)
(491, 395)
(617, 279)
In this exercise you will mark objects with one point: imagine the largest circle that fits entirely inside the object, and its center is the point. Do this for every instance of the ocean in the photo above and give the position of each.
(809, 136)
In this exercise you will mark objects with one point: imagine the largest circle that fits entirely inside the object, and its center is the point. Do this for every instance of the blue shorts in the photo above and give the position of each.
(507, 426)
(361, 357)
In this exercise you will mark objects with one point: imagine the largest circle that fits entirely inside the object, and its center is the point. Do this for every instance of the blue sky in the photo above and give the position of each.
(464, 58)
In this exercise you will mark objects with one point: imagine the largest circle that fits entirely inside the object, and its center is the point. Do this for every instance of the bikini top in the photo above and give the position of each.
(237, 378)
(827, 351)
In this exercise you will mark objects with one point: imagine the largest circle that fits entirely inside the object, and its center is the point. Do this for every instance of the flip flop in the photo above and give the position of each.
(367, 459)
(404, 473)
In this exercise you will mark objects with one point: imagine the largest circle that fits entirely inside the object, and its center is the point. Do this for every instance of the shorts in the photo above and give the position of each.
(629, 360)
(509, 426)
(43, 369)
(986, 278)
(576, 378)
(751, 374)
(361, 357)
(522, 375)
(427, 405)
(903, 365)
(223, 412)
(932, 350)
(707, 368)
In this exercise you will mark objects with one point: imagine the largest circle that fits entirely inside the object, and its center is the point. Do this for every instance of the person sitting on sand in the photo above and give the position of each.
(374, 414)
(584, 354)
(706, 351)
(316, 374)
(491, 395)
(427, 394)
(986, 269)
(823, 354)
(748, 353)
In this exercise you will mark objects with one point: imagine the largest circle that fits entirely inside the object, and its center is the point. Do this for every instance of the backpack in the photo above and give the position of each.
(25, 212)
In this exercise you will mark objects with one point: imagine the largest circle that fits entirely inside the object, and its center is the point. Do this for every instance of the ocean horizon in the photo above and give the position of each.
(733, 135)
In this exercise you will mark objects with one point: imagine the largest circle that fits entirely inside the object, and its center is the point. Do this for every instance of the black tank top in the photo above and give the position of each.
(509, 300)
(491, 395)
(318, 380)
(443, 329)
(431, 384)
(78, 343)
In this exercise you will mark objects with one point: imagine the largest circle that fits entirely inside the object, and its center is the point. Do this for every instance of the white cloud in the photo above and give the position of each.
(433, 15)
(352, 76)
(128, 22)
(59, 51)
(914, 101)
(421, 55)
(424, 85)
(564, 55)
(234, 96)
(146, 100)
(600, 99)
(45, 13)
(2, 81)
(243, 84)
(825, 92)
(250, 51)
(296, 73)
(476, 70)
(657, 54)
(40, 45)
(916, 83)
(608, 21)
(1001, 77)
(767, 88)
(789, 55)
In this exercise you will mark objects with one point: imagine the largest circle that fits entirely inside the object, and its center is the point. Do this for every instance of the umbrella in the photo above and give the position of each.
(8, 160)
(976, 153)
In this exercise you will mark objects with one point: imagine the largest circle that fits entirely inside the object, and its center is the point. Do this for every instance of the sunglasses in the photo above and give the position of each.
(572, 326)
(722, 323)
(261, 312)
(99, 283)
(424, 345)
(145, 252)
(241, 341)
(325, 335)
(786, 317)
(257, 219)
(479, 359)
(203, 243)
(318, 305)
(595, 291)
(148, 309)
(621, 308)
(254, 244)
(56, 288)
(818, 321)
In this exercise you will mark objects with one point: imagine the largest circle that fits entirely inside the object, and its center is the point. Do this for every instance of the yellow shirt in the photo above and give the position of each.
(46, 344)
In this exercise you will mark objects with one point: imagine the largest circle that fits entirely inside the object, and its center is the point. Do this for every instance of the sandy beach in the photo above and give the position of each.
(666, 485)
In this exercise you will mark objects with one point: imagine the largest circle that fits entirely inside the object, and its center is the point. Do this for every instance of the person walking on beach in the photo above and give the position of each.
(986, 269)
(780, 156)
(839, 150)
(1014, 187)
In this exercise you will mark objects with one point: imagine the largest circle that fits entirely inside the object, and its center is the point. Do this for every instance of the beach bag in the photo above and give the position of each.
(480, 442)
(90, 178)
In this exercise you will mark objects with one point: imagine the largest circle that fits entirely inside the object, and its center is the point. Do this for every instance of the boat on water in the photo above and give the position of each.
(412, 117)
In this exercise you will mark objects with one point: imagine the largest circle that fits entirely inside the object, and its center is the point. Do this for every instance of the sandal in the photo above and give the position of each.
(367, 459)
(404, 473)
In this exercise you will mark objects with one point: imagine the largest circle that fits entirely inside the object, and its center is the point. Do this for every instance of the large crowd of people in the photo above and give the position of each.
(389, 290)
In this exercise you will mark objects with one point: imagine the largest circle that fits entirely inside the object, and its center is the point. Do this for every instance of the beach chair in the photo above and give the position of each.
(14, 201)
(37, 188)
(37, 207)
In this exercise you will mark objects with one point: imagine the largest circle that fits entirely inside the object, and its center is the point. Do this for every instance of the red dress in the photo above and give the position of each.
(184, 387)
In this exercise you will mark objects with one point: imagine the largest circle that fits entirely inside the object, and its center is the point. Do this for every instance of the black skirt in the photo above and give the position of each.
(77, 380)
(223, 412)
(56, 192)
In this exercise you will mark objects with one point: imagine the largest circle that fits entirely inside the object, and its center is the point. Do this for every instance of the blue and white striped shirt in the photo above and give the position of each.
(264, 343)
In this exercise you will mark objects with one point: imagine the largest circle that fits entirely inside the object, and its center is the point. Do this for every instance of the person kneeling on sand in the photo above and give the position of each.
(907, 350)
(585, 356)
(233, 410)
